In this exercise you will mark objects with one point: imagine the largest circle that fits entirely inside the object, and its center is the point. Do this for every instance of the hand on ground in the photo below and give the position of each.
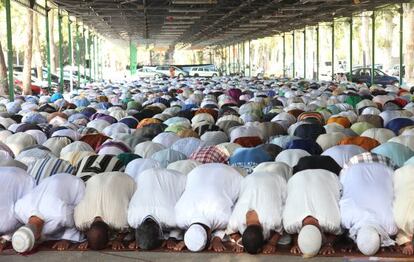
(133, 245)
(61, 245)
(269, 249)
(83, 246)
(408, 249)
(217, 245)
(295, 250)
(117, 245)
(179, 246)
(327, 250)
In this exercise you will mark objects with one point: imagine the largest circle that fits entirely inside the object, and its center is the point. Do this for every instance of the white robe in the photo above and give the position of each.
(404, 203)
(53, 200)
(316, 193)
(209, 196)
(158, 190)
(107, 195)
(264, 193)
(15, 183)
(367, 200)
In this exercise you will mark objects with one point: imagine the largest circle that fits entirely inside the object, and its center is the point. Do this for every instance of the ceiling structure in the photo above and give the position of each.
(207, 22)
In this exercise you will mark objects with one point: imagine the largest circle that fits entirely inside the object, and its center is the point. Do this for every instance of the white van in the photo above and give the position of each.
(203, 72)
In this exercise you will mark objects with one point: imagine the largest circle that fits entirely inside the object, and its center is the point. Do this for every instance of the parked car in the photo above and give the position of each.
(363, 75)
(165, 69)
(204, 72)
(35, 86)
(395, 70)
(150, 73)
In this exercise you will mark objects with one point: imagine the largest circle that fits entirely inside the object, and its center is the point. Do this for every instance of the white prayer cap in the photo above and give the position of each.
(23, 239)
(368, 241)
(310, 241)
(195, 238)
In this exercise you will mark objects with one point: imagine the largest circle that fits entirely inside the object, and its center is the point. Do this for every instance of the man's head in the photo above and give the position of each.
(310, 240)
(368, 241)
(253, 239)
(98, 235)
(149, 234)
(196, 237)
(25, 237)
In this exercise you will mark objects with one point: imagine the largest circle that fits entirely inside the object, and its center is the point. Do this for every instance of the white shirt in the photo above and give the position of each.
(403, 203)
(209, 196)
(367, 200)
(107, 195)
(15, 183)
(264, 193)
(316, 193)
(158, 190)
(53, 201)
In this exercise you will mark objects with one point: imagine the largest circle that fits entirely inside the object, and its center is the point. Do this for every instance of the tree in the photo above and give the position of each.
(4, 87)
(27, 67)
(53, 57)
(36, 48)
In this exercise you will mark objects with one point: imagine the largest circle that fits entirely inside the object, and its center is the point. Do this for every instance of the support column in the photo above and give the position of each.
(333, 50)
(98, 58)
(70, 52)
(229, 61)
(401, 42)
(9, 50)
(304, 53)
(90, 36)
(85, 48)
(95, 58)
(351, 30)
(61, 81)
(49, 76)
(373, 48)
(284, 55)
(244, 58)
(132, 58)
(250, 62)
(78, 53)
(317, 53)
(293, 55)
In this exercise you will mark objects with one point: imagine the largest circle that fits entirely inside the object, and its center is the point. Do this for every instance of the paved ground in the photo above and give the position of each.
(48, 256)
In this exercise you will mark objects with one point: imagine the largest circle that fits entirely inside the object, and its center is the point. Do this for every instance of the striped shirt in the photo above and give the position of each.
(96, 164)
(49, 166)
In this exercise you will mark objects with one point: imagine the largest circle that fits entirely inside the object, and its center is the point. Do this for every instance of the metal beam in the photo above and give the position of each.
(373, 49)
(49, 75)
(70, 52)
(401, 11)
(304, 53)
(317, 53)
(9, 50)
(250, 62)
(132, 58)
(333, 50)
(351, 29)
(61, 81)
(78, 54)
(284, 56)
(90, 36)
(293, 55)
